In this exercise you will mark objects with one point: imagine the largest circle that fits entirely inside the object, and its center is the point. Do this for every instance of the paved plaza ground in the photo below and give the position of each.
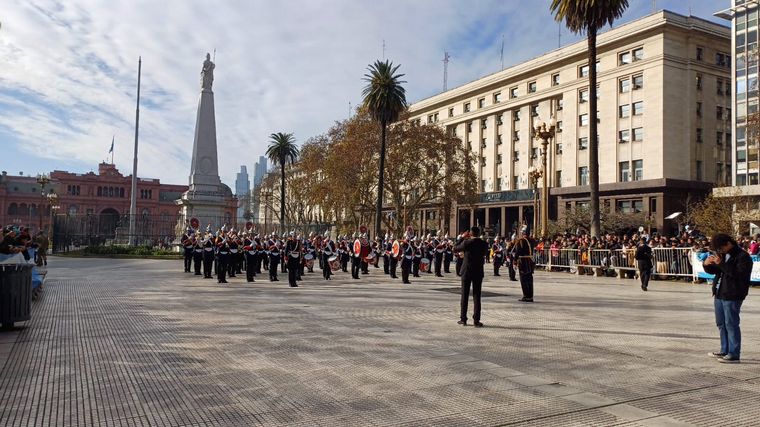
(138, 342)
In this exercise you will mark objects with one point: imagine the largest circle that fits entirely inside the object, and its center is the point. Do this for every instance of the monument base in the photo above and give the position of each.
(206, 208)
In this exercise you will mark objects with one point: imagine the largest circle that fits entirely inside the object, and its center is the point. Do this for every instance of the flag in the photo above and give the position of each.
(112, 140)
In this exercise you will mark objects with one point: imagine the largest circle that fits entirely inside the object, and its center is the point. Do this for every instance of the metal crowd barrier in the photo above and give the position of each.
(668, 262)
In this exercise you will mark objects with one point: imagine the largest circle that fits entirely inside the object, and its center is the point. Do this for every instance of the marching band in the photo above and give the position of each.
(229, 252)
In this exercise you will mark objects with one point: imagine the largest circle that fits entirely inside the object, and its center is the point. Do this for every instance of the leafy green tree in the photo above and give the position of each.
(282, 150)
(589, 16)
(385, 99)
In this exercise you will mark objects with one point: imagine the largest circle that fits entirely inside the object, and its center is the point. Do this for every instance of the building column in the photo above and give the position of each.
(503, 220)
(472, 217)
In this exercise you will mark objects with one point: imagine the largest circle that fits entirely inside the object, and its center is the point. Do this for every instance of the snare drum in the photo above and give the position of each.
(334, 263)
(308, 257)
(424, 264)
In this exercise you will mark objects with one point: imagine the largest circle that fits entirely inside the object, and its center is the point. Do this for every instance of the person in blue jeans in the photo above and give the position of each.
(732, 267)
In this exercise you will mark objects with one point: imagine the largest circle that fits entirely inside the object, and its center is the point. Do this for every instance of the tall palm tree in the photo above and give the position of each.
(589, 16)
(282, 150)
(385, 99)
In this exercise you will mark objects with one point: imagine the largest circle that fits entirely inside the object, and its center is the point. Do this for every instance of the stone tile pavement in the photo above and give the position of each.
(139, 343)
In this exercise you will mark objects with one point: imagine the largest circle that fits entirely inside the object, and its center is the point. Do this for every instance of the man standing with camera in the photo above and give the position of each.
(474, 252)
(732, 268)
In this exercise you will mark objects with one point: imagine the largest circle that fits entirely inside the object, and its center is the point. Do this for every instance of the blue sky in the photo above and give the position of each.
(69, 69)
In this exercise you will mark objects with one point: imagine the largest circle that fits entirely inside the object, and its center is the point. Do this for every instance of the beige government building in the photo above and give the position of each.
(664, 123)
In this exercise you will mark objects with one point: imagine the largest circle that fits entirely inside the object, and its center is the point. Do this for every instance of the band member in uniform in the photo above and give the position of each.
(197, 254)
(393, 259)
(187, 243)
(232, 258)
(273, 261)
(523, 253)
(364, 254)
(430, 252)
(345, 255)
(448, 255)
(474, 251)
(222, 258)
(417, 250)
(511, 260)
(407, 252)
(293, 253)
(439, 249)
(498, 255)
(459, 259)
(208, 255)
(250, 259)
(385, 250)
(328, 249)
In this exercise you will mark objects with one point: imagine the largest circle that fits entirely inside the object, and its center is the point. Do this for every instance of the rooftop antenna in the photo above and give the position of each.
(654, 5)
(559, 35)
(214, 56)
(349, 110)
(502, 51)
(383, 48)
(446, 58)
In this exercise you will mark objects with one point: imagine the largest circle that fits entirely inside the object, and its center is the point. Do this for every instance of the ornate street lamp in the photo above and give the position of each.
(535, 174)
(544, 132)
(43, 180)
(53, 202)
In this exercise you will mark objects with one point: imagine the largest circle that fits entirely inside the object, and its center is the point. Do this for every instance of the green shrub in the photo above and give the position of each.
(126, 250)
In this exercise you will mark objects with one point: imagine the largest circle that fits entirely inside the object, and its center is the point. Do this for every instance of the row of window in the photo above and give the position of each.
(719, 137)
(23, 210)
(721, 113)
(73, 190)
(624, 171)
(111, 192)
(721, 59)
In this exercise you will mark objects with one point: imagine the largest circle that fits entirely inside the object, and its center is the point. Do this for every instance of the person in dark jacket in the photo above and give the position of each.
(644, 260)
(732, 268)
(474, 252)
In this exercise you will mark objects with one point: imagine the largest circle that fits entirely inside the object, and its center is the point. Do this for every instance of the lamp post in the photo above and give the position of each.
(53, 202)
(535, 174)
(43, 180)
(544, 132)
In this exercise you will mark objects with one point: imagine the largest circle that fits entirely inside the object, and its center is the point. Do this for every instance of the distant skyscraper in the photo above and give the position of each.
(242, 191)
(260, 169)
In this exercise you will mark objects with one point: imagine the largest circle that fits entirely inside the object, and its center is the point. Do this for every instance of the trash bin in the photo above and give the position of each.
(15, 294)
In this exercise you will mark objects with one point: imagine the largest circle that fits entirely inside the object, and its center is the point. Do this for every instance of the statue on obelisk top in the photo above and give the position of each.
(207, 73)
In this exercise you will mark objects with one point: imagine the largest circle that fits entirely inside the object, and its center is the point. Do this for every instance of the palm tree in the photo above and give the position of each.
(590, 16)
(385, 99)
(282, 149)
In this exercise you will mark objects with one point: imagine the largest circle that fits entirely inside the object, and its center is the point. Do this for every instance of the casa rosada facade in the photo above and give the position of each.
(104, 193)
(664, 124)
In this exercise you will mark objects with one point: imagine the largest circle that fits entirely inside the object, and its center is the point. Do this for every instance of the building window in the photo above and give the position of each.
(728, 88)
(534, 110)
(430, 119)
(638, 170)
(720, 59)
(534, 153)
(515, 156)
(699, 170)
(719, 173)
(559, 126)
(466, 107)
(638, 82)
(624, 136)
(625, 85)
(638, 108)
(583, 95)
(624, 111)
(699, 81)
(482, 185)
(624, 58)
(499, 120)
(558, 178)
(498, 184)
(699, 109)
(719, 113)
(532, 87)
(583, 175)
(625, 172)
(700, 53)
(560, 104)
(583, 120)
(499, 140)
(728, 137)
(497, 97)
(515, 180)
(451, 112)
(638, 54)
(469, 127)
(516, 115)
(583, 143)
(481, 102)
(719, 87)
(515, 135)
(555, 79)
(100, 191)
(583, 71)
(483, 161)
(513, 93)
(638, 134)
(558, 149)
(498, 159)
(699, 134)
(728, 113)
(483, 124)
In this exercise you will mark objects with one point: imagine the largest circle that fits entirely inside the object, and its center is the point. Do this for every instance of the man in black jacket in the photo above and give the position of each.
(732, 268)
(644, 260)
(474, 251)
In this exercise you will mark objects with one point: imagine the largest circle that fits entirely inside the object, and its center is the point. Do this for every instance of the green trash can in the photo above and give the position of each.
(15, 294)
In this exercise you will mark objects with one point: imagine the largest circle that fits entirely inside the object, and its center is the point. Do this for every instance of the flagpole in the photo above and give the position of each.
(133, 192)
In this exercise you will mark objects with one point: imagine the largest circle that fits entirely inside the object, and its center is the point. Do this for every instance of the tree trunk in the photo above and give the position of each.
(593, 145)
(282, 196)
(380, 181)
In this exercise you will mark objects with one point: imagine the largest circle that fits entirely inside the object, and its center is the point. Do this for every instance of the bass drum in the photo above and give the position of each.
(424, 264)
(334, 263)
(370, 259)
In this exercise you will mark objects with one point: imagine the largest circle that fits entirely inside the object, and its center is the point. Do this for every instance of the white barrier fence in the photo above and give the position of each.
(667, 262)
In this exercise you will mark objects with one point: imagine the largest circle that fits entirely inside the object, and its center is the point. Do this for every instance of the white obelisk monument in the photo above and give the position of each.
(205, 199)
